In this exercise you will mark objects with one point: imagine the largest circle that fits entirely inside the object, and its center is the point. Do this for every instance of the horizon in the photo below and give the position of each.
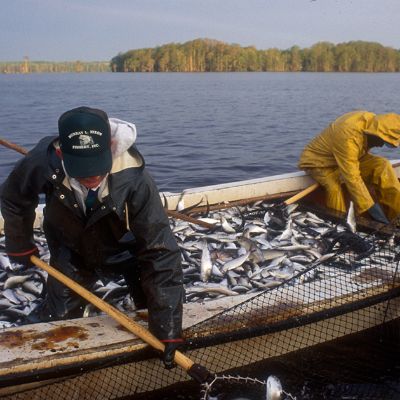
(89, 31)
(179, 43)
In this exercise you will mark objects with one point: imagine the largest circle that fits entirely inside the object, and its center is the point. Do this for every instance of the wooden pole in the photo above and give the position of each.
(13, 146)
(302, 194)
(183, 361)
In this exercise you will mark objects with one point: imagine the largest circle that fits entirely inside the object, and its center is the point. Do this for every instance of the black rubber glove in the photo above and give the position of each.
(23, 257)
(171, 345)
(377, 214)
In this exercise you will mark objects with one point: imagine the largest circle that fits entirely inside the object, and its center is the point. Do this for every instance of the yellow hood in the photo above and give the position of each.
(386, 126)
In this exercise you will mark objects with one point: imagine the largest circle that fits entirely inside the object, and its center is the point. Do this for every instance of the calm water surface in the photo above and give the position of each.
(200, 128)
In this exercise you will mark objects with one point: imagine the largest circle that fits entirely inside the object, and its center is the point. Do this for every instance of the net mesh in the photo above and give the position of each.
(287, 328)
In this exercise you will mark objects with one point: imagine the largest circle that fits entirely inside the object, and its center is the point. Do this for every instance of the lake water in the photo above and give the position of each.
(198, 129)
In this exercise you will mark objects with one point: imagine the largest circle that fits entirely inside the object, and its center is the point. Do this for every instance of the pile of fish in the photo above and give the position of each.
(260, 247)
(249, 249)
(21, 289)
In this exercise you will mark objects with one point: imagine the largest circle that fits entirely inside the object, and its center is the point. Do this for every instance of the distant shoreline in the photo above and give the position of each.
(209, 55)
(26, 66)
(194, 72)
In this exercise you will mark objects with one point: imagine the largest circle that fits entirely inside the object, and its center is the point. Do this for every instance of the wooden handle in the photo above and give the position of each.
(183, 361)
(302, 194)
(13, 146)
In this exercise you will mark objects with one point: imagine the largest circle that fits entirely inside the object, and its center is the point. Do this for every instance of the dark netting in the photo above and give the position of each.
(351, 286)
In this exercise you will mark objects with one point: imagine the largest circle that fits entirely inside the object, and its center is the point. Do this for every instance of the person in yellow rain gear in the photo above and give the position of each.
(340, 155)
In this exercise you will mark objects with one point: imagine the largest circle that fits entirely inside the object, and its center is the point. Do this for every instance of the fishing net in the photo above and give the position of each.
(300, 327)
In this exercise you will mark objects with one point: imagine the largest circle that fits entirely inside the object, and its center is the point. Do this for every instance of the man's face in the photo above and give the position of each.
(91, 182)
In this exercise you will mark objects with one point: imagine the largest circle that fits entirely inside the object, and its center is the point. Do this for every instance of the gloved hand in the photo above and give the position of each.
(23, 257)
(377, 214)
(171, 345)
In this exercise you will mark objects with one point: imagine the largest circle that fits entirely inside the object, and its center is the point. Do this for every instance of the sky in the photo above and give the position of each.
(97, 30)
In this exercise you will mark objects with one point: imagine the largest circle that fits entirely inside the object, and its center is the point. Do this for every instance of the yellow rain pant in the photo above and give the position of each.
(376, 172)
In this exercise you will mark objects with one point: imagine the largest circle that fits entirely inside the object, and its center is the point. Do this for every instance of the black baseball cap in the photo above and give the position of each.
(85, 142)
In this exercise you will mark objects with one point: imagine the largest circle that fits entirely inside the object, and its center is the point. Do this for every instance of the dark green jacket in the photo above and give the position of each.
(93, 240)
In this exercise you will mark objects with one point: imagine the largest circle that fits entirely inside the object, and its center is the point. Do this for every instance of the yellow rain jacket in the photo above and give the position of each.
(339, 154)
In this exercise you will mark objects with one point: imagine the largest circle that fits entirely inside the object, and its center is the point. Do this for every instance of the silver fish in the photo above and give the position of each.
(288, 232)
(206, 264)
(268, 283)
(256, 255)
(10, 295)
(6, 324)
(351, 218)
(283, 272)
(220, 289)
(13, 281)
(274, 388)
(5, 303)
(235, 263)
(4, 262)
(226, 226)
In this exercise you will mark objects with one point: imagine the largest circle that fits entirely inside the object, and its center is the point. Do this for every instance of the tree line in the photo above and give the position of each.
(26, 66)
(207, 55)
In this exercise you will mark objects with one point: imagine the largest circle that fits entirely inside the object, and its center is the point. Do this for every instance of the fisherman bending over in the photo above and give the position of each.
(340, 155)
(103, 215)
